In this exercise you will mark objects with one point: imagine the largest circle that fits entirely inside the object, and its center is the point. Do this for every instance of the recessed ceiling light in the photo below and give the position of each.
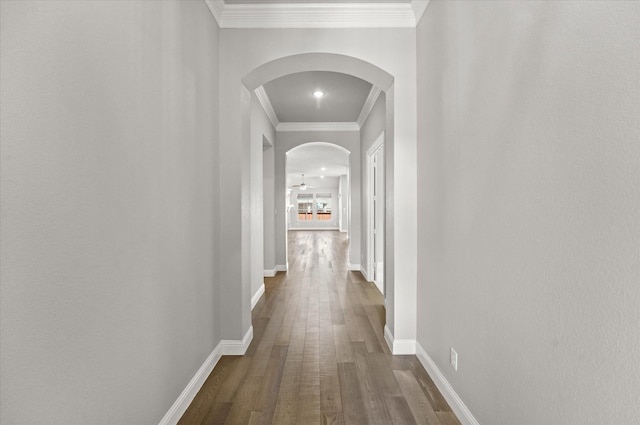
(321, 177)
(318, 93)
(323, 168)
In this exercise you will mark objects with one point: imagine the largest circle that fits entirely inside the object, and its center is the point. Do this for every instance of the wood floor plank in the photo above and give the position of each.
(381, 371)
(270, 387)
(400, 412)
(422, 411)
(342, 344)
(447, 418)
(372, 395)
(244, 401)
(330, 398)
(206, 397)
(319, 355)
(231, 383)
(353, 407)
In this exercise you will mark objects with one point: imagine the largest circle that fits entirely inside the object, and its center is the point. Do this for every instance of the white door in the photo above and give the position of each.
(378, 218)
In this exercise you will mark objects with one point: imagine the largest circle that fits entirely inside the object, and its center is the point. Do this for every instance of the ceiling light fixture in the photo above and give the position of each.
(321, 177)
(318, 93)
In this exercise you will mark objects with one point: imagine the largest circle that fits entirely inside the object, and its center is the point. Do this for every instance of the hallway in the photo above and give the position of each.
(318, 354)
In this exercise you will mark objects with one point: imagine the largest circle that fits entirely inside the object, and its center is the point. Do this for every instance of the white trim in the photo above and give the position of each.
(270, 273)
(364, 274)
(354, 267)
(263, 98)
(388, 336)
(188, 394)
(399, 346)
(235, 347)
(256, 297)
(282, 267)
(368, 105)
(369, 190)
(318, 126)
(217, 8)
(224, 348)
(419, 6)
(316, 15)
(455, 402)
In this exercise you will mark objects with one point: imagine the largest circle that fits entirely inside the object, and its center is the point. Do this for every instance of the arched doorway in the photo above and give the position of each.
(236, 189)
(318, 188)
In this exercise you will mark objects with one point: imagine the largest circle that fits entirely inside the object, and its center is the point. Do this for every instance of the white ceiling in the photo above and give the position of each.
(292, 97)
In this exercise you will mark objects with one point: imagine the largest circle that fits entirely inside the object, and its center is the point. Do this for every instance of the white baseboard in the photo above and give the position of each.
(399, 346)
(455, 402)
(234, 347)
(275, 270)
(188, 394)
(224, 348)
(364, 274)
(354, 267)
(256, 297)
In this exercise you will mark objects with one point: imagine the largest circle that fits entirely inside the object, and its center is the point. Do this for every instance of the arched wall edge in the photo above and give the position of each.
(318, 62)
(331, 62)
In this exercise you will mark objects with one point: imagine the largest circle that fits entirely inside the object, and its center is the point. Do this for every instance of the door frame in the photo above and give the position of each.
(370, 260)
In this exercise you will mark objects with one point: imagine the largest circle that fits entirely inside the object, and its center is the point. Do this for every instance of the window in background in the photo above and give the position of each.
(323, 206)
(305, 206)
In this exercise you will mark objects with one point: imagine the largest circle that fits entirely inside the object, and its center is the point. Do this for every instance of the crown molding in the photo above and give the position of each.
(368, 105)
(318, 15)
(263, 98)
(216, 7)
(313, 15)
(318, 126)
(419, 6)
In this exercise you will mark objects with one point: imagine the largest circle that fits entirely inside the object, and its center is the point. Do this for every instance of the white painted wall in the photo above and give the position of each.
(285, 141)
(109, 132)
(392, 50)
(529, 145)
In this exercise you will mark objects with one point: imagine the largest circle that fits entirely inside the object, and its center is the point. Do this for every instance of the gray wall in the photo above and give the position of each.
(528, 253)
(109, 208)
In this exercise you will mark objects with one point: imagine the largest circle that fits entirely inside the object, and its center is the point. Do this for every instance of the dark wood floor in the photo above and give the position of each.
(318, 354)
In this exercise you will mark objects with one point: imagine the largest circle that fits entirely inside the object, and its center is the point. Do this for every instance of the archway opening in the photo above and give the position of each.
(252, 85)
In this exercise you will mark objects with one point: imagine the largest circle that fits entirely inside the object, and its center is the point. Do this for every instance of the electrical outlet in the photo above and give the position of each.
(453, 359)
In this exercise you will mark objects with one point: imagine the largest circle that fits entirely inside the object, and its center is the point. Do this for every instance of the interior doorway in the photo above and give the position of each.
(376, 211)
(317, 180)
